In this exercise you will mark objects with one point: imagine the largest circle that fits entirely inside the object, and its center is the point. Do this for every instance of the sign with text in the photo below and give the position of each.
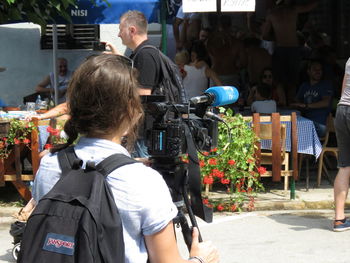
(237, 5)
(191, 6)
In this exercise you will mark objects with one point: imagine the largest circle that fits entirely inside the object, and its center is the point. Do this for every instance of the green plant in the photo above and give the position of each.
(18, 133)
(232, 165)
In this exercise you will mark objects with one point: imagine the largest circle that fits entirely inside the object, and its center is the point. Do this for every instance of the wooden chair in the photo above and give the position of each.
(326, 149)
(271, 128)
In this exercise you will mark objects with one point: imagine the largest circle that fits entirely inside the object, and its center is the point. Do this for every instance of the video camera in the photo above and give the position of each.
(176, 129)
(166, 137)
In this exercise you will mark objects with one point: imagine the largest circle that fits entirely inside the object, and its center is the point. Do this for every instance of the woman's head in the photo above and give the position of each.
(266, 76)
(103, 99)
(198, 51)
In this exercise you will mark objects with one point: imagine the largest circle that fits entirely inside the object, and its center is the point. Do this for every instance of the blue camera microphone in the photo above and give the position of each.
(217, 96)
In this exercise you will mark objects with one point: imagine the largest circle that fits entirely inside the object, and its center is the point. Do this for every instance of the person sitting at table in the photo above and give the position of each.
(314, 97)
(263, 103)
(47, 84)
(278, 93)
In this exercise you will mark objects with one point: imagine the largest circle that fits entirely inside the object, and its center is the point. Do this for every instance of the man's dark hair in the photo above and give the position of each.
(313, 62)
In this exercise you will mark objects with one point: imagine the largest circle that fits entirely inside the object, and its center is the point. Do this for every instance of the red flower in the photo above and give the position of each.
(214, 149)
(205, 153)
(233, 208)
(4, 139)
(26, 141)
(261, 170)
(225, 181)
(184, 159)
(201, 163)
(249, 190)
(16, 141)
(205, 201)
(52, 131)
(2, 144)
(212, 161)
(217, 173)
(48, 146)
(220, 207)
(208, 180)
(231, 162)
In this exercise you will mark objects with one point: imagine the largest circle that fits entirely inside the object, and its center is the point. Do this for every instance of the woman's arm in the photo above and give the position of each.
(213, 76)
(162, 248)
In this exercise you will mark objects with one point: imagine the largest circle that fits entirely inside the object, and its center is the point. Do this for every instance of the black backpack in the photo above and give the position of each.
(171, 84)
(78, 220)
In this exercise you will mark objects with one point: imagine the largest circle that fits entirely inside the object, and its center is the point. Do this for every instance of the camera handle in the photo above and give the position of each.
(181, 219)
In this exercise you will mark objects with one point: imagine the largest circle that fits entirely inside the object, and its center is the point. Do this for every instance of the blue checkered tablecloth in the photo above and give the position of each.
(308, 141)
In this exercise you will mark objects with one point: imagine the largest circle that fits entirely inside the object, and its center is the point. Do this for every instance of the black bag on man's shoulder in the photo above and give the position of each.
(78, 220)
(171, 84)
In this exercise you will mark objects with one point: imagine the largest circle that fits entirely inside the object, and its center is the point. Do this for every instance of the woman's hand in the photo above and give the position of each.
(204, 250)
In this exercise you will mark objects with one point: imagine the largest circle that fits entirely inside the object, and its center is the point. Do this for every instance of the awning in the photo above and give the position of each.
(101, 13)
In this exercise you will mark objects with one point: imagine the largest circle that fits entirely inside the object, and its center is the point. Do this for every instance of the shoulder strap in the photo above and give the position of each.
(113, 162)
(68, 160)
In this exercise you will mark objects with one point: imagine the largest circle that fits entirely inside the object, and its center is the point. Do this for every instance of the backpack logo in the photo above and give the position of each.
(59, 243)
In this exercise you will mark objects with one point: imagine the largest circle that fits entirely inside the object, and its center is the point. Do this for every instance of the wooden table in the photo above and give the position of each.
(11, 167)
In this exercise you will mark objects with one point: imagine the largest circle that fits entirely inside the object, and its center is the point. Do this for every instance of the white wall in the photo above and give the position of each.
(27, 64)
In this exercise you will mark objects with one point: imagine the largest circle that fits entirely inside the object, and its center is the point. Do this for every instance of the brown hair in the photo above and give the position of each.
(137, 19)
(102, 99)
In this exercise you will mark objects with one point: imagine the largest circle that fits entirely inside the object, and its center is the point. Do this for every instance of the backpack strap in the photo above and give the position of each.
(68, 160)
(113, 162)
(164, 69)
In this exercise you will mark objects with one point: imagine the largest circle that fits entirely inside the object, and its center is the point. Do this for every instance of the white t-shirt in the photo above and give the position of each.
(195, 82)
(264, 106)
(141, 194)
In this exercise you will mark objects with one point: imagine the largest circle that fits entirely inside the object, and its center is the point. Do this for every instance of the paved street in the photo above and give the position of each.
(284, 236)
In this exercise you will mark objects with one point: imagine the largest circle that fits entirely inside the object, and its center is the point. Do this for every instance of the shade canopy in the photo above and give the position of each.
(100, 13)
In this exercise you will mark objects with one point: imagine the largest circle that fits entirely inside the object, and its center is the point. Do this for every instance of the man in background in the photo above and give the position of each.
(281, 27)
(47, 84)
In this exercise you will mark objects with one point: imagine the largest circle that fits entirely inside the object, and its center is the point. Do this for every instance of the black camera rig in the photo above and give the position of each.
(173, 130)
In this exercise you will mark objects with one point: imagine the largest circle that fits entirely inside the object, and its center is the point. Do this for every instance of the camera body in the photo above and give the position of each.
(99, 46)
(169, 131)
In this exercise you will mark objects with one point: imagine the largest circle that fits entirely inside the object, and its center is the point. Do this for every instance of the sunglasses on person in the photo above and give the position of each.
(126, 60)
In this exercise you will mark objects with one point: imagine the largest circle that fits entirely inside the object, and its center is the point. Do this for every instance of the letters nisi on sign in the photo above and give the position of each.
(78, 12)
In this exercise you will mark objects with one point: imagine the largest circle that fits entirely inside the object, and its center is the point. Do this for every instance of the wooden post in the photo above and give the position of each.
(35, 147)
(18, 164)
(276, 147)
(2, 172)
(256, 129)
(22, 190)
(294, 139)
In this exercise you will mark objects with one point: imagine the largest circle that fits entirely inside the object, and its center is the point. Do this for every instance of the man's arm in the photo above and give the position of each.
(41, 87)
(324, 103)
(59, 110)
(176, 30)
(267, 29)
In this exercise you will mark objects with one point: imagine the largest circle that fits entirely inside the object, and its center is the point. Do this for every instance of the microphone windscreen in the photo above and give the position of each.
(223, 95)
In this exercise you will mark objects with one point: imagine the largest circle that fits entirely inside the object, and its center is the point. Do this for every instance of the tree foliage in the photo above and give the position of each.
(37, 11)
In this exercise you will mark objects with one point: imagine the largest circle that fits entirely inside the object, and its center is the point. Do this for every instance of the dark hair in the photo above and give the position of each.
(313, 62)
(264, 90)
(102, 99)
(135, 18)
(199, 48)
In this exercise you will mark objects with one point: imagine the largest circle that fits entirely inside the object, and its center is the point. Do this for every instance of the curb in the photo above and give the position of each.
(293, 205)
